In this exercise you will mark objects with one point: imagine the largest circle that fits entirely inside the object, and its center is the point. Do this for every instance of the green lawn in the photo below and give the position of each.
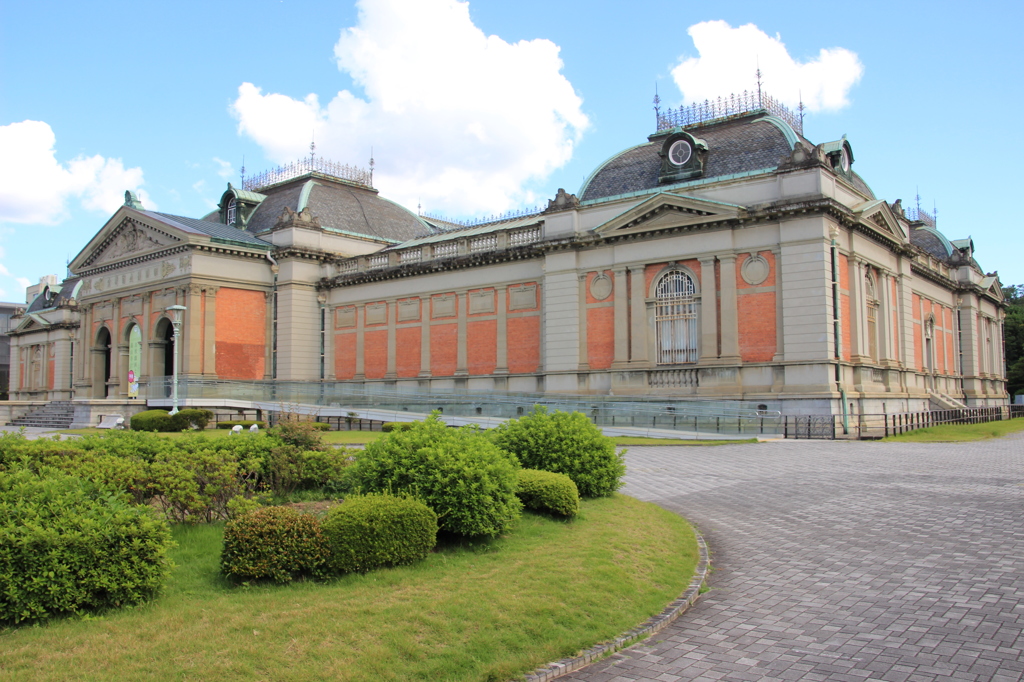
(475, 611)
(958, 433)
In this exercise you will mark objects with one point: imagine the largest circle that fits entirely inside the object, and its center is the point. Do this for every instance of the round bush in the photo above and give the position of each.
(152, 420)
(566, 443)
(68, 545)
(468, 482)
(373, 531)
(276, 543)
(549, 492)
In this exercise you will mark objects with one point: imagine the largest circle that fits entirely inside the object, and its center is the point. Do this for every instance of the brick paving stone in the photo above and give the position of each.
(859, 561)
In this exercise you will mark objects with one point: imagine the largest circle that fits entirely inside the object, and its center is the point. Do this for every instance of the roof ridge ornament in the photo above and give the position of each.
(732, 106)
(131, 200)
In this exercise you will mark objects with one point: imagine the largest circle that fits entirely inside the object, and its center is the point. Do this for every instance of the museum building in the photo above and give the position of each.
(725, 257)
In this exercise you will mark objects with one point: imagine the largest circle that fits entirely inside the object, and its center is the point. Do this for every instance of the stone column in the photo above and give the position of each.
(461, 301)
(192, 331)
(360, 328)
(328, 334)
(210, 332)
(730, 310)
(584, 350)
(621, 318)
(392, 339)
(638, 315)
(425, 311)
(501, 367)
(708, 311)
(857, 307)
(885, 352)
(268, 331)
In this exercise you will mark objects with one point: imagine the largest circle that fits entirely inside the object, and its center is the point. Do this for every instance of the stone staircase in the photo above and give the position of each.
(941, 401)
(54, 415)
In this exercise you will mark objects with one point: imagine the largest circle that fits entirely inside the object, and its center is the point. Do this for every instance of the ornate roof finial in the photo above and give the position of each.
(242, 171)
(419, 208)
(758, 74)
(657, 106)
(371, 166)
(800, 108)
(312, 147)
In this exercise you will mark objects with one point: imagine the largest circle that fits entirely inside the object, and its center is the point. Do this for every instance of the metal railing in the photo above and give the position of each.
(724, 107)
(634, 412)
(869, 426)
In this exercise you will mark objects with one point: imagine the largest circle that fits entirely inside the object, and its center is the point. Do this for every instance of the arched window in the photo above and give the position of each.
(676, 319)
(872, 314)
(232, 207)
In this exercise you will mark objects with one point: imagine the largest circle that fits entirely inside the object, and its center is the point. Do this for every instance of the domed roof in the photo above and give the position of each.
(339, 205)
(932, 241)
(734, 146)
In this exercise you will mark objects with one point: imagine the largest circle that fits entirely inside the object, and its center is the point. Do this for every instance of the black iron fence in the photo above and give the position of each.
(858, 426)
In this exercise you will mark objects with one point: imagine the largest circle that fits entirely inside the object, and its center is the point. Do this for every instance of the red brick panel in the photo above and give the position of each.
(240, 332)
(345, 356)
(407, 352)
(600, 337)
(375, 353)
(523, 344)
(757, 326)
(481, 346)
(845, 311)
(444, 351)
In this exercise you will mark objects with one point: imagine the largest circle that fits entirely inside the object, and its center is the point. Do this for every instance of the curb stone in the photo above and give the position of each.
(627, 639)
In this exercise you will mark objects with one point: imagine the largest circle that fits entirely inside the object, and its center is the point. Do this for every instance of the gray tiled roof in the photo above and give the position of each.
(216, 230)
(340, 207)
(932, 241)
(735, 146)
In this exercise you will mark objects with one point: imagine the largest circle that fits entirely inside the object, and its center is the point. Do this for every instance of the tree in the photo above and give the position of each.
(1013, 337)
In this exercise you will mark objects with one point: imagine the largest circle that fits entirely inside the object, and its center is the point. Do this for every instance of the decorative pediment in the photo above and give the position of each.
(878, 216)
(667, 211)
(125, 236)
(990, 285)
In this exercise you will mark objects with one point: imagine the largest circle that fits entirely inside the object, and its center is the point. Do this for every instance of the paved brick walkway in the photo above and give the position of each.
(841, 561)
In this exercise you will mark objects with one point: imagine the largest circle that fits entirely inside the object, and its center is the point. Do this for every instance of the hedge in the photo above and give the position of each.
(159, 420)
(68, 545)
(468, 482)
(565, 443)
(549, 492)
(374, 531)
(275, 543)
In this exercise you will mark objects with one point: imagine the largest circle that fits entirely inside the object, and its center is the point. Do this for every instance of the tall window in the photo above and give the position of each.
(929, 344)
(676, 319)
(232, 208)
(872, 301)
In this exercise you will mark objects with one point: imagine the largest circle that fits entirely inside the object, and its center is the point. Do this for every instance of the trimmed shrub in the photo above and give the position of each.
(565, 443)
(549, 492)
(153, 420)
(275, 543)
(468, 482)
(244, 423)
(191, 418)
(301, 434)
(374, 531)
(67, 545)
(328, 469)
(195, 486)
(388, 427)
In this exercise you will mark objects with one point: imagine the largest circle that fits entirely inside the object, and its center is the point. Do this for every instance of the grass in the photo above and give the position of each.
(960, 433)
(472, 611)
(363, 437)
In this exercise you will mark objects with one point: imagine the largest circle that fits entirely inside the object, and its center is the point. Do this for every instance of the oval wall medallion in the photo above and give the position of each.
(601, 287)
(755, 270)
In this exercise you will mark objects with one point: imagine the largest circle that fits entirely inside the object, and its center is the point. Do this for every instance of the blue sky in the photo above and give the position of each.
(474, 109)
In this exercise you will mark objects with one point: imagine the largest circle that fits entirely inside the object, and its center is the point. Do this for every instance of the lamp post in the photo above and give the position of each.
(176, 312)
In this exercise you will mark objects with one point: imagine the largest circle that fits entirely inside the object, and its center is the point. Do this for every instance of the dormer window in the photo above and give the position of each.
(682, 156)
(230, 216)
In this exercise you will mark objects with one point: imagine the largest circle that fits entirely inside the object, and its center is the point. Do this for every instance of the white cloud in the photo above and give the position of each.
(225, 171)
(25, 282)
(730, 56)
(35, 187)
(462, 120)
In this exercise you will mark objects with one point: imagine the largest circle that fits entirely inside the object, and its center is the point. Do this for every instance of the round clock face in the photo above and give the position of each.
(679, 152)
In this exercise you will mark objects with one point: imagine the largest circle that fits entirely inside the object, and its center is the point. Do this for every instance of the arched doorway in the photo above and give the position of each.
(101, 363)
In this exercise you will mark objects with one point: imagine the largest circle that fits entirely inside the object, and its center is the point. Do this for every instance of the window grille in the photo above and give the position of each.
(446, 250)
(484, 243)
(676, 319)
(377, 261)
(521, 237)
(410, 256)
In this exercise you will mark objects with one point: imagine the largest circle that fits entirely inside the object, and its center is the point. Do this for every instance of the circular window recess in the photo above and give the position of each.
(755, 270)
(679, 153)
(601, 287)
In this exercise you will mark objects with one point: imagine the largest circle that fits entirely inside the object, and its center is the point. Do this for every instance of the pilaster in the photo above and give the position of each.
(462, 303)
(708, 311)
(730, 310)
(638, 315)
(621, 318)
(501, 352)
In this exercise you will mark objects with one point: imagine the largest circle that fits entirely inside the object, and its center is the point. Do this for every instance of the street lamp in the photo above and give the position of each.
(176, 312)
